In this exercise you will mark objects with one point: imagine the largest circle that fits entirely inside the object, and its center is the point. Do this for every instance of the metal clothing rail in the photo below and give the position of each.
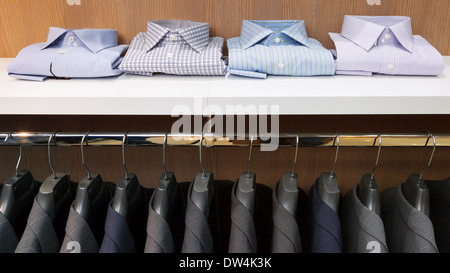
(212, 140)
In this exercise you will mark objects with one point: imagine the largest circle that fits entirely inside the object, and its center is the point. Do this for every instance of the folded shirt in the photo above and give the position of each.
(85, 53)
(277, 47)
(175, 47)
(383, 45)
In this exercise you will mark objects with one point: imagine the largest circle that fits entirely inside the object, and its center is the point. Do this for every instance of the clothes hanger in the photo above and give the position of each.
(327, 185)
(245, 188)
(56, 189)
(128, 191)
(202, 189)
(287, 190)
(367, 189)
(19, 190)
(90, 191)
(166, 189)
(415, 190)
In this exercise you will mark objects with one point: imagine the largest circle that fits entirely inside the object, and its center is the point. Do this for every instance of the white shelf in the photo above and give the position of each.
(161, 94)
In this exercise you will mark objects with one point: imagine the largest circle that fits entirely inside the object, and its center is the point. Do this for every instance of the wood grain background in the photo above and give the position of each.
(396, 164)
(26, 22)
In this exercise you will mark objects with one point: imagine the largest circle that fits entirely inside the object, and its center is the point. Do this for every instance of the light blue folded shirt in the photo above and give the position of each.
(277, 47)
(85, 53)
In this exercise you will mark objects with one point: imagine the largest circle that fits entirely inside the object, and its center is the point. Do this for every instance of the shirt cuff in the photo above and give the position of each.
(28, 77)
(250, 74)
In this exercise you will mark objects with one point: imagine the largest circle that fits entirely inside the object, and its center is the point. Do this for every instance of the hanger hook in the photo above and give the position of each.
(85, 137)
(432, 154)
(378, 155)
(124, 140)
(201, 159)
(296, 152)
(20, 152)
(164, 155)
(9, 135)
(49, 154)
(250, 156)
(336, 156)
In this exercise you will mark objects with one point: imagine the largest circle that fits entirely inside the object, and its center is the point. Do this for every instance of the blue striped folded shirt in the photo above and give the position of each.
(277, 47)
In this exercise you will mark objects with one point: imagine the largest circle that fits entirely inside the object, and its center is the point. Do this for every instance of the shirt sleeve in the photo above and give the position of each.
(28, 77)
(250, 74)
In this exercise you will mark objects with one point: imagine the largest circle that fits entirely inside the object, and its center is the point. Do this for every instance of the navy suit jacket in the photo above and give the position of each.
(118, 238)
(325, 226)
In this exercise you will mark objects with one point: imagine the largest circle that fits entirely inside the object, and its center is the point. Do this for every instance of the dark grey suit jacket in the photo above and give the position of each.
(159, 235)
(242, 233)
(407, 229)
(78, 230)
(39, 235)
(362, 228)
(8, 238)
(440, 212)
(286, 233)
(197, 235)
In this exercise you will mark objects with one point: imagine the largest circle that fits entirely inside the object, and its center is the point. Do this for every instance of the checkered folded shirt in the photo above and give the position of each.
(175, 47)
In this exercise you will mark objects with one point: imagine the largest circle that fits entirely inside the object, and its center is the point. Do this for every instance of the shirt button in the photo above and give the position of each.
(277, 40)
(170, 55)
(387, 36)
(172, 37)
(71, 39)
(281, 65)
(390, 66)
(62, 51)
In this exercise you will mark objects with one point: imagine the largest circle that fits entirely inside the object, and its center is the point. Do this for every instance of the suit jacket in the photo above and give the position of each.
(325, 226)
(407, 229)
(78, 230)
(118, 238)
(362, 228)
(286, 234)
(440, 212)
(197, 235)
(8, 236)
(39, 235)
(89, 235)
(159, 235)
(242, 233)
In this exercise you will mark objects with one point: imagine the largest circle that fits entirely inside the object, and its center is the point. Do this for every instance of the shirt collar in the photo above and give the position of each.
(252, 33)
(94, 39)
(365, 30)
(196, 34)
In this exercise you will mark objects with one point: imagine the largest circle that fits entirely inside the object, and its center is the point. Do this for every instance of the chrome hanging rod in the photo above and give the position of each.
(212, 140)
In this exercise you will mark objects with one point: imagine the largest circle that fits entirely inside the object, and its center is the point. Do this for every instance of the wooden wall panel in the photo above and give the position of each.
(27, 21)
(396, 164)
(146, 162)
